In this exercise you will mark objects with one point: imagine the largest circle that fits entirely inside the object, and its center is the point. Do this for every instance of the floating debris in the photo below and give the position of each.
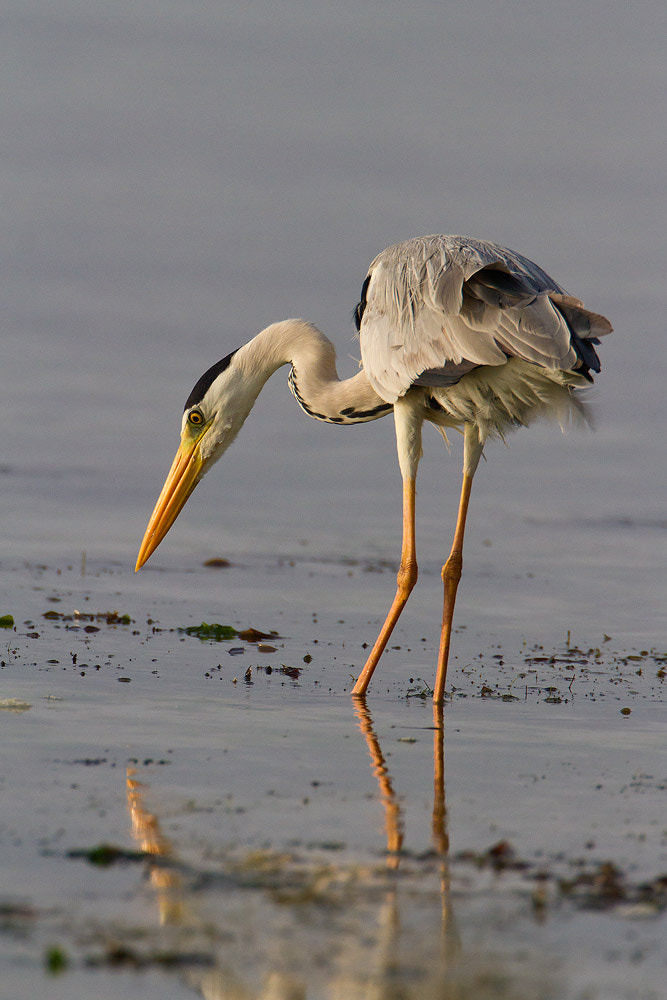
(500, 857)
(106, 617)
(254, 635)
(292, 672)
(14, 705)
(601, 886)
(104, 855)
(120, 955)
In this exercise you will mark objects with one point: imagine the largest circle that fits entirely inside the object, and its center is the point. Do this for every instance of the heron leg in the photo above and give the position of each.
(451, 574)
(405, 581)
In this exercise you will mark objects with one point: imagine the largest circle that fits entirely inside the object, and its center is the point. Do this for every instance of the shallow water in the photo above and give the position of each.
(299, 843)
(174, 179)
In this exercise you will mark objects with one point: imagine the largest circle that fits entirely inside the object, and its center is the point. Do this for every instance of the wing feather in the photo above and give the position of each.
(436, 307)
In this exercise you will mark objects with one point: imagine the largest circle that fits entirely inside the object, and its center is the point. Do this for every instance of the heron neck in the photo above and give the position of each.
(314, 378)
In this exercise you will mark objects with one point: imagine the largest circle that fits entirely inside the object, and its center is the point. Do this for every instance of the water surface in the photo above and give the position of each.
(174, 178)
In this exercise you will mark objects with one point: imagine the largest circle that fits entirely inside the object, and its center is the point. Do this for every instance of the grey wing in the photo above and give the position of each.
(436, 307)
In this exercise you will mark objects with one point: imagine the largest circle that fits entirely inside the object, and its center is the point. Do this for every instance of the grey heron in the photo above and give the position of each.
(457, 332)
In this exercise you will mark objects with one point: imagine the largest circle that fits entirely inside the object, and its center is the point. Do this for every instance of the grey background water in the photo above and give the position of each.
(176, 175)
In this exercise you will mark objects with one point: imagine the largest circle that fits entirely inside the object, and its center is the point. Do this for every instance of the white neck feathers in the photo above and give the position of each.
(314, 379)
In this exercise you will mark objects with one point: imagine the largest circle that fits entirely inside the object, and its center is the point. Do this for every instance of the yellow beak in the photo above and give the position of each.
(183, 476)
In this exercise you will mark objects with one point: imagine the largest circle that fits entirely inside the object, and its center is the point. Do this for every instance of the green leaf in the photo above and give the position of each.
(210, 633)
(6, 621)
(55, 960)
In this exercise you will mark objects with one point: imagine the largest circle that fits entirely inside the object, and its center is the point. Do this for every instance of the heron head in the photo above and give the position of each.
(213, 415)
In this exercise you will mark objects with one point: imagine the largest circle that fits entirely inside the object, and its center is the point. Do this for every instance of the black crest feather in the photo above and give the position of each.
(206, 381)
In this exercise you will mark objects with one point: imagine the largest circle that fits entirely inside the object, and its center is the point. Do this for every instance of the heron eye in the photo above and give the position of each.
(196, 418)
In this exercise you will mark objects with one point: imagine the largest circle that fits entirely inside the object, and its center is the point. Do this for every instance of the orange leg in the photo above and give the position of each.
(405, 581)
(451, 574)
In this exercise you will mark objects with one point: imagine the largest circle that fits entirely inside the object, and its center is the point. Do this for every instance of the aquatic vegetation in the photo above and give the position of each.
(214, 632)
(55, 960)
(210, 633)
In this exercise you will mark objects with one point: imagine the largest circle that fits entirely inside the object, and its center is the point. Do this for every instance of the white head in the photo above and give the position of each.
(214, 414)
(224, 396)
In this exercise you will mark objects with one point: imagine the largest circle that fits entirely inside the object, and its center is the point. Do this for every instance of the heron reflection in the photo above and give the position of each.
(366, 943)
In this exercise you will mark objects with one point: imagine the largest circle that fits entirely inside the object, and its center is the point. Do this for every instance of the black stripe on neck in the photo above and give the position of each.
(350, 415)
(207, 380)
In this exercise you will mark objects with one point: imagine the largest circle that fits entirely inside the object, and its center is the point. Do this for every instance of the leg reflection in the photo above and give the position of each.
(451, 942)
(389, 940)
(352, 931)
(392, 811)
